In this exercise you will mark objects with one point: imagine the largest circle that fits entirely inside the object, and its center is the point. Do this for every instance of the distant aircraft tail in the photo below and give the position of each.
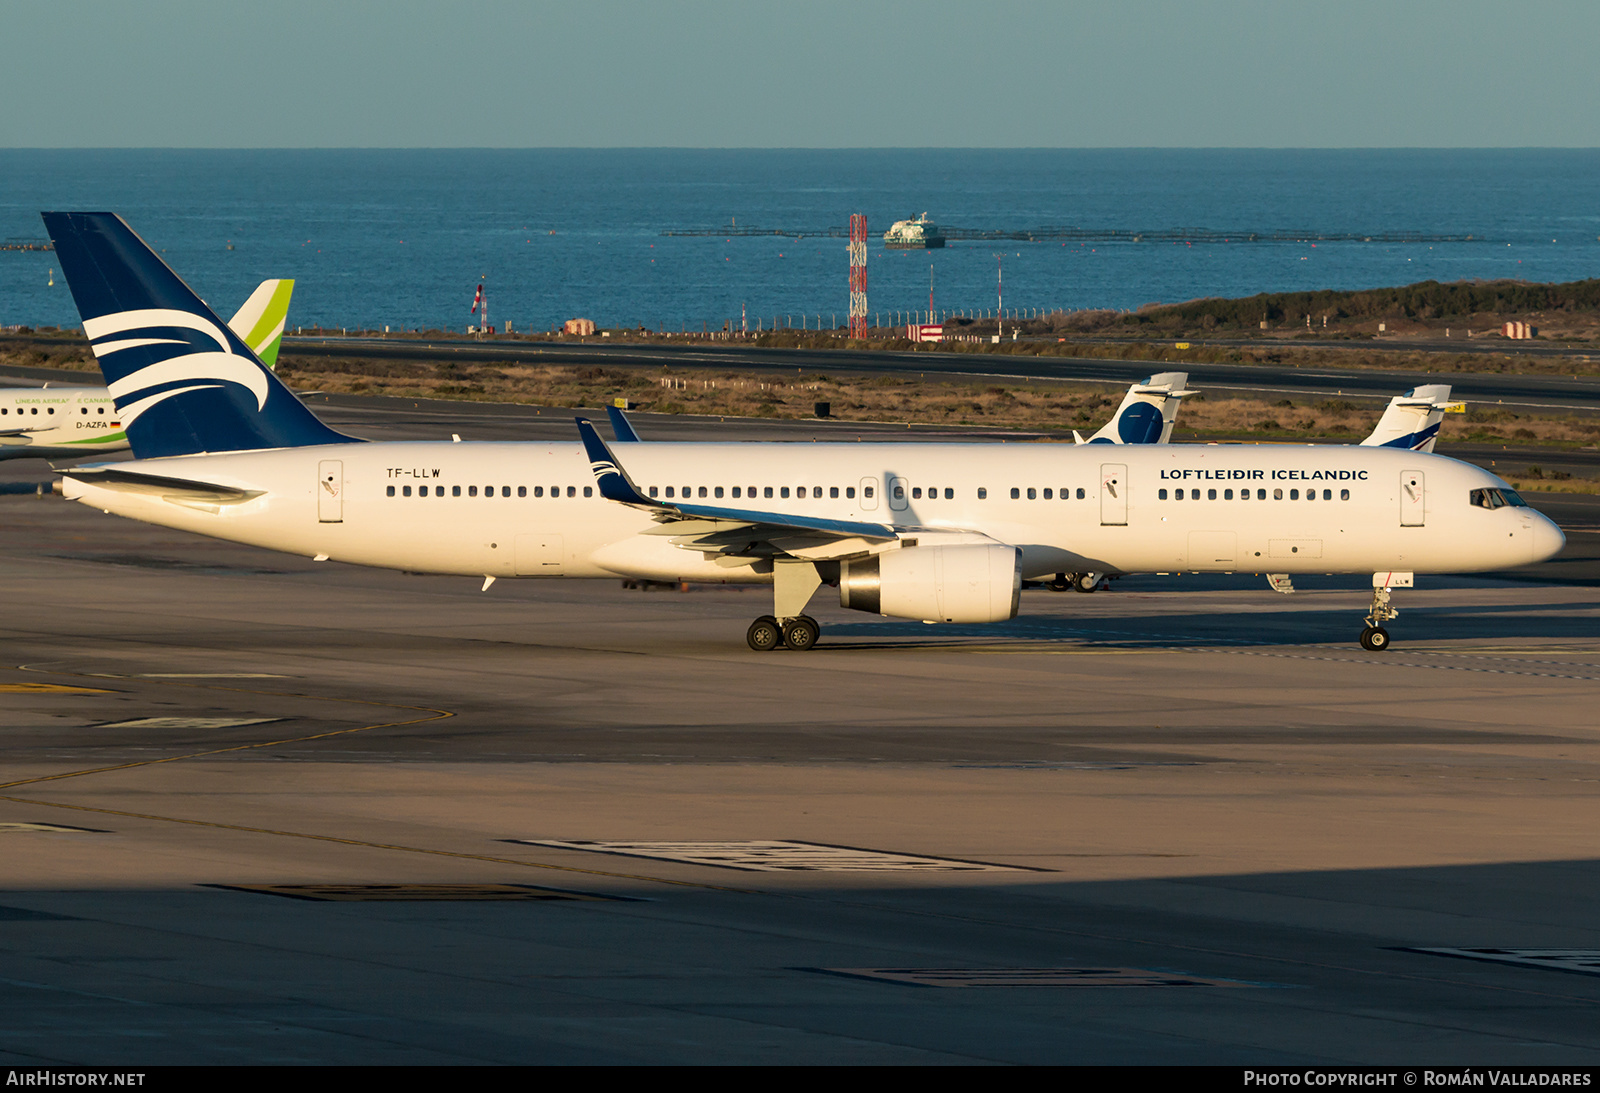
(1147, 413)
(1412, 419)
(260, 322)
(183, 382)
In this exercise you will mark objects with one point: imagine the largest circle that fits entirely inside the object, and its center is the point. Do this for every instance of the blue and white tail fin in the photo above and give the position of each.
(182, 381)
(1147, 413)
(1412, 419)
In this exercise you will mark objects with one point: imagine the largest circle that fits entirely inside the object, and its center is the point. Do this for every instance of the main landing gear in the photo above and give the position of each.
(792, 586)
(1076, 582)
(767, 633)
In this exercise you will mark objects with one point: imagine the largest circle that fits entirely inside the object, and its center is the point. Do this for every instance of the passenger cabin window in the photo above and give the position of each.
(572, 491)
(868, 491)
(588, 491)
(833, 491)
(1344, 495)
(405, 491)
(783, 491)
(767, 492)
(849, 491)
(472, 491)
(522, 491)
(916, 493)
(983, 493)
(391, 491)
(1015, 493)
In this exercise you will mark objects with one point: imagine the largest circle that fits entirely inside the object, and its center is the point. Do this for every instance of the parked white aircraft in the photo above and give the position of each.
(937, 532)
(1147, 413)
(1411, 421)
(73, 422)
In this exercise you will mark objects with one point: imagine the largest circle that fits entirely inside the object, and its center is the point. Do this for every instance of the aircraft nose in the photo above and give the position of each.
(1547, 539)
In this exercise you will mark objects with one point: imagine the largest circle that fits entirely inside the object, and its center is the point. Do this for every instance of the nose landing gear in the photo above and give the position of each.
(1374, 638)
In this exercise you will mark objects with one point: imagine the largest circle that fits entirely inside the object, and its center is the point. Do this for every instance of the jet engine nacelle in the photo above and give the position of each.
(968, 582)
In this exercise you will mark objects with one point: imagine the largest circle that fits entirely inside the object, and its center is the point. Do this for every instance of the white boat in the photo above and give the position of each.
(918, 234)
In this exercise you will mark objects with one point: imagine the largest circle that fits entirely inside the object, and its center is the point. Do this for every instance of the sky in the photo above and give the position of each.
(798, 74)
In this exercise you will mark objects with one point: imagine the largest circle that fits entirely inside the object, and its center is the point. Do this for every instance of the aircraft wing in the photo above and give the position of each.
(25, 432)
(733, 531)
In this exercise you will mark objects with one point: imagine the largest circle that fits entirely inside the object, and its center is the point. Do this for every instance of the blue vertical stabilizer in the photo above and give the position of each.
(182, 381)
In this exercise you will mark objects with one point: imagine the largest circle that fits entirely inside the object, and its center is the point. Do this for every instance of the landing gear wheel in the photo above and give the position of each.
(801, 633)
(1375, 639)
(1085, 582)
(1061, 583)
(764, 634)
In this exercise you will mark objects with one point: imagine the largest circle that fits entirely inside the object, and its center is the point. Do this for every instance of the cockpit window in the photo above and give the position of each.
(1497, 499)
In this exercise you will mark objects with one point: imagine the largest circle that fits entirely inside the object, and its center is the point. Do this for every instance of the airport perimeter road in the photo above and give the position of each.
(263, 810)
(1548, 393)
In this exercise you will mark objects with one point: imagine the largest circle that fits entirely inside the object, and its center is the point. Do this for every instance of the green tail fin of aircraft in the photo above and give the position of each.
(260, 322)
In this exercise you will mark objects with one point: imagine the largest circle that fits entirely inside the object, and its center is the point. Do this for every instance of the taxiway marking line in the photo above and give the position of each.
(312, 836)
(435, 715)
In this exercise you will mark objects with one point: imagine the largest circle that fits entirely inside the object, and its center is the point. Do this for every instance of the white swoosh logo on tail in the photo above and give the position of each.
(124, 321)
(195, 366)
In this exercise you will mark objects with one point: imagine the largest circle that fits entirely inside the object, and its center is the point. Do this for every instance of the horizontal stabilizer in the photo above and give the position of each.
(177, 489)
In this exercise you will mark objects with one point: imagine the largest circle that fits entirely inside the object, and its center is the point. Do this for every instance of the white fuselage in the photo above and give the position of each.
(532, 509)
(58, 422)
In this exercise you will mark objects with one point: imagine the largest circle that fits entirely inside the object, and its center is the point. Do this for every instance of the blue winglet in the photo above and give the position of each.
(621, 427)
(615, 485)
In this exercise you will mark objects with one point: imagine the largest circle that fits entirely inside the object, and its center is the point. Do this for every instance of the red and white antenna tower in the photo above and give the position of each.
(858, 275)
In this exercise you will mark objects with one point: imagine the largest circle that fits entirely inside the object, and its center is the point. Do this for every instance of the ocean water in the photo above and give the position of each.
(402, 238)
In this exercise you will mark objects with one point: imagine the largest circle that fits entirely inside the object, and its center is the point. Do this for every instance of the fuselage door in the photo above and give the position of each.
(1113, 493)
(869, 493)
(1413, 499)
(899, 493)
(330, 491)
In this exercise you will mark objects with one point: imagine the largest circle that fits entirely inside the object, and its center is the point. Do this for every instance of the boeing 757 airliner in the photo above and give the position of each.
(937, 532)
